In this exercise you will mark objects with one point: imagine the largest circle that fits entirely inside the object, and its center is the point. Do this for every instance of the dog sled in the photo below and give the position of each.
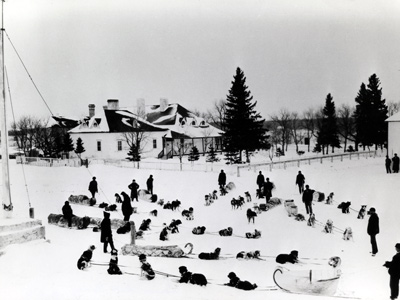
(158, 251)
(146, 195)
(82, 223)
(290, 207)
(323, 281)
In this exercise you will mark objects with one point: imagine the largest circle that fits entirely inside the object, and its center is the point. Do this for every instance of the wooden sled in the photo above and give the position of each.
(308, 281)
(82, 223)
(158, 251)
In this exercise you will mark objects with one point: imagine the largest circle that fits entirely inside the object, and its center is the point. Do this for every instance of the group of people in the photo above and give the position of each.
(392, 164)
(265, 186)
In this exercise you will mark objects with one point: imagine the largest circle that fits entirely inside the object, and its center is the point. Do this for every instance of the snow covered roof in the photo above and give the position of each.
(177, 120)
(394, 118)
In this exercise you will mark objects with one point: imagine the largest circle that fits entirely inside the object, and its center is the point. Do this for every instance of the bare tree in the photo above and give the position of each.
(393, 107)
(282, 122)
(296, 129)
(309, 125)
(346, 123)
(24, 133)
(136, 138)
(216, 116)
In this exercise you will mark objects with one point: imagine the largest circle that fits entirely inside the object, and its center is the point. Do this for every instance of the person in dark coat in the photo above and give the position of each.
(237, 283)
(93, 187)
(222, 179)
(268, 187)
(149, 184)
(134, 190)
(373, 229)
(85, 258)
(260, 180)
(394, 272)
(126, 206)
(147, 270)
(307, 199)
(300, 180)
(396, 163)
(388, 163)
(67, 213)
(106, 232)
(118, 198)
(113, 268)
(193, 278)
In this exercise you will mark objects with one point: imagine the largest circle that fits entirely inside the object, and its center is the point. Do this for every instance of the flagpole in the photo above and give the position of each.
(6, 194)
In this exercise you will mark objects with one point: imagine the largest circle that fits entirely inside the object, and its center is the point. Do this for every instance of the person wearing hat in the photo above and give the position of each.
(396, 163)
(300, 179)
(147, 270)
(85, 258)
(134, 190)
(113, 268)
(126, 206)
(106, 232)
(260, 180)
(308, 198)
(373, 229)
(67, 213)
(149, 184)
(394, 272)
(93, 187)
(235, 281)
(222, 179)
(193, 278)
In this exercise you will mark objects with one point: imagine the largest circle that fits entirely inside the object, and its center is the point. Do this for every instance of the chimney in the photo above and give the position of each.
(112, 104)
(141, 109)
(91, 110)
(163, 104)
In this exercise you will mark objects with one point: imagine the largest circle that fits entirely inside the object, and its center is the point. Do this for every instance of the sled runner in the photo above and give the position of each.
(307, 281)
(159, 251)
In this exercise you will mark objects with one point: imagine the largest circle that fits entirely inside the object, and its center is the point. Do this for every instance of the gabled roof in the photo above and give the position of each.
(176, 120)
(394, 118)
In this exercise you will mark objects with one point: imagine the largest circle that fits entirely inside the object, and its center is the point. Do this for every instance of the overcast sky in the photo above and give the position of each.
(293, 53)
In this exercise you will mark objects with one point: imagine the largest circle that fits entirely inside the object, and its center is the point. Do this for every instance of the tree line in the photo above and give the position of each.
(245, 131)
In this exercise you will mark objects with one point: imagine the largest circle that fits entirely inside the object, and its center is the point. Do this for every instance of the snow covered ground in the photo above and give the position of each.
(47, 269)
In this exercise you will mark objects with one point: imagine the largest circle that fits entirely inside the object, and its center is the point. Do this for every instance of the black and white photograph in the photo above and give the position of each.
(205, 150)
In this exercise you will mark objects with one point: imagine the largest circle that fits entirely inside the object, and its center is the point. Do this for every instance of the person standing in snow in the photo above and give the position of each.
(134, 190)
(388, 163)
(106, 232)
(126, 206)
(85, 258)
(268, 187)
(394, 272)
(147, 270)
(93, 187)
(260, 180)
(222, 179)
(307, 199)
(149, 184)
(300, 180)
(373, 229)
(67, 213)
(396, 163)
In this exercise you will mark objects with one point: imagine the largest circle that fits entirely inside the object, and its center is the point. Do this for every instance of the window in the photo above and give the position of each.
(98, 145)
(119, 145)
(154, 144)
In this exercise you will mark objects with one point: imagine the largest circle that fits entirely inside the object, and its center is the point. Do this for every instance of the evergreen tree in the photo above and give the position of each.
(370, 114)
(194, 154)
(133, 154)
(79, 147)
(243, 125)
(211, 155)
(68, 144)
(328, 134)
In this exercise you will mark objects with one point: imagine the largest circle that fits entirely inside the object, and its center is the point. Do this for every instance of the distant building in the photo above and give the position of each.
(163, 128)
(393, 135)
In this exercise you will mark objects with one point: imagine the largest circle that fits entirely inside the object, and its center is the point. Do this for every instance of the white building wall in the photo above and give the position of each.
(109, 145)
(393, 138)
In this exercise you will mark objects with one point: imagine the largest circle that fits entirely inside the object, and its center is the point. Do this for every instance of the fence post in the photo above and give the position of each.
(358, 155)
(341, 157)
(331, 158)
(270, 166)
(321, 160)
(238, 171)
(309, 162)
(298, 163)
(284, 165)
